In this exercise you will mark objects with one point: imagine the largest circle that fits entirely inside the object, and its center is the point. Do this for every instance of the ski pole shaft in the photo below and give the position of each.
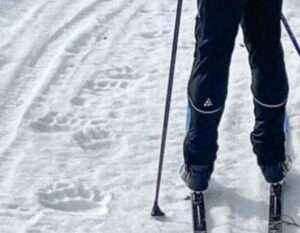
(156, 210)
(291, 34)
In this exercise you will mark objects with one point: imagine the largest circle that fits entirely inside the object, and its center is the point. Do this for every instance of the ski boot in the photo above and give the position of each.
(276, 172)
(196, 177)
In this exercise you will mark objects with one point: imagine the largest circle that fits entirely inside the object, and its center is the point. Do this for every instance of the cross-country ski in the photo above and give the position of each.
(198, 211)
(276, 208)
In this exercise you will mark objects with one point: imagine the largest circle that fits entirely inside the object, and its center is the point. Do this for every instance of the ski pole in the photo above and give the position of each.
(291, 34)
(156, 211)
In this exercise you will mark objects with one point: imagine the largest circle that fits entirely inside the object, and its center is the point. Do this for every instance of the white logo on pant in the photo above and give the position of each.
(208, 103)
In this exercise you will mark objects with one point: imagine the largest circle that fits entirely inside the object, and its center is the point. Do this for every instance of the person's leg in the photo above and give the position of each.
(262, 33)
(215, 31)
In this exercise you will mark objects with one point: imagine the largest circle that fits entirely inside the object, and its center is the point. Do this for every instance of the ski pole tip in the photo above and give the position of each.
(156, 211)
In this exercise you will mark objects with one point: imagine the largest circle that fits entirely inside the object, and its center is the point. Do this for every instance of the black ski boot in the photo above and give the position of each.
(275, 172)
(196, 177)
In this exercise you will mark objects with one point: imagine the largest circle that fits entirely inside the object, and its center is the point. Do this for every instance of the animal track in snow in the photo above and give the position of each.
(112, 79)
(100, 85)
(94, 138)
(153, 34)
(121, 73)
(14, 209)
(78, 101)
(73, 197)
(55, 121)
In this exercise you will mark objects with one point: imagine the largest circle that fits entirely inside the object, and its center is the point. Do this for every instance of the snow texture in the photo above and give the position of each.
(82, 93)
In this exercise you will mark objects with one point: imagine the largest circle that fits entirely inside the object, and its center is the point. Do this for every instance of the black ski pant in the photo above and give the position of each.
(217, 24)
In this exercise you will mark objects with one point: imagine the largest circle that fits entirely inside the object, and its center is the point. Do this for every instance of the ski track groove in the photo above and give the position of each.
(22, 24)
(17, 95)
(8, 182)
(78, 17)
(17, 87)
(115, 13)
(114, 39)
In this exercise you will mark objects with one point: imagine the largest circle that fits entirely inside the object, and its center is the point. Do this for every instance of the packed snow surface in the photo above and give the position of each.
(82, 93)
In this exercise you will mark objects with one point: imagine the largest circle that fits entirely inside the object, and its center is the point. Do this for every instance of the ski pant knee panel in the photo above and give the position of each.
(200, 144)
(268, 136)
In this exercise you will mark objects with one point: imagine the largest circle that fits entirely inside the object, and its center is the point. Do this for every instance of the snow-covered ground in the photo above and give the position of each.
(82, 92)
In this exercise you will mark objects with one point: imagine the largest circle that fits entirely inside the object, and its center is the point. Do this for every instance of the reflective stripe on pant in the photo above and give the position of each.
(216, 27)
(200, 144)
